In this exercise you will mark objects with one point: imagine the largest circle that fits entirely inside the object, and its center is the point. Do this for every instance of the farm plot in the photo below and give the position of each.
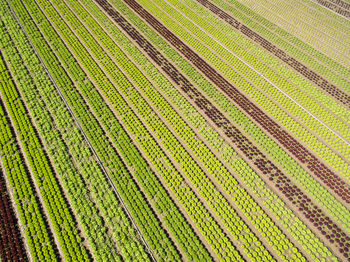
(176, 130)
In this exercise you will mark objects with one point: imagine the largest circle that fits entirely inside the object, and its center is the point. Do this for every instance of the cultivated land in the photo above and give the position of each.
(174, 130)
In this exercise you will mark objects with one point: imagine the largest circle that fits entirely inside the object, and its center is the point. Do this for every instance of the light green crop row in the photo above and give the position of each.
(201, 126)
(54, 201)
(294, 170)
(184, 131)
(279, 74)
(157, 127)
(259, 94)
(294, 46)
(134, 199)
(330, 40)
(41, 95)
(171, 216)
(32, 219)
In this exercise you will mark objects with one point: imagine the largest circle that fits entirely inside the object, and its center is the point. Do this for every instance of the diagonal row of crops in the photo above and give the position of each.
(298, 18)
(296, 119)
(175, 130)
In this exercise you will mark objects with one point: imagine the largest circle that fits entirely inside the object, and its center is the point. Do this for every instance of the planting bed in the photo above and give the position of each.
(175, 130)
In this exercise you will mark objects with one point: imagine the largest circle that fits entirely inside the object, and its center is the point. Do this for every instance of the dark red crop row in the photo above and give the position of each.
(342, 4)
(289, 60)
(330, 179)
(11, 245)
(334, 7)
(294, 195)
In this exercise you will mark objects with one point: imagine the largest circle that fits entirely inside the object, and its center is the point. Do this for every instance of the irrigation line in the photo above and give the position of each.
(262, 75)
(86, 138)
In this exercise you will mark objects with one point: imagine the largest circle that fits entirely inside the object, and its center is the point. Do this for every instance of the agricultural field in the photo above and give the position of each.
(175, 130)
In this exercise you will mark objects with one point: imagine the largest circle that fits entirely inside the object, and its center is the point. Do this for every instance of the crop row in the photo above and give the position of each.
(291, 44)
(293, 146)
(238, 32)
(259, 93)
(54, 200)
(183, 131)
(11, 243)
(154, 151)
(329, 38)
(82, 171)
(296, 197)
(328, 202)
(327, 176)
(205, 31)
(199, 149)
(151, 185)
(252, 180)
(334, 7)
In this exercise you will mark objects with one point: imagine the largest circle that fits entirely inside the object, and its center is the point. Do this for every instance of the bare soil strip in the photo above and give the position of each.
(328, 87)
(296, 198)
